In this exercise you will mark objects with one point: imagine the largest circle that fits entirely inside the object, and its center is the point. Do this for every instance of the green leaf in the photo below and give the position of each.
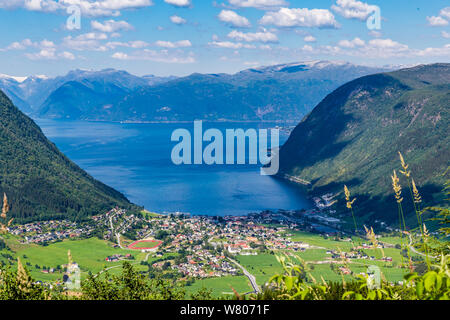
(372, 295)
(289, 282)
(347, 294)
(419, 289)
(429, 280)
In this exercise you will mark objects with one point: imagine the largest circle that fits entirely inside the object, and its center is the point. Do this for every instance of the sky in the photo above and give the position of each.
(180, 37)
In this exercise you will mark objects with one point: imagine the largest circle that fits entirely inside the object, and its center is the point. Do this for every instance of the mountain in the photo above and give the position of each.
(11, 86)
(354, 135)
(30, 93)
(279, 92)
(39, 180)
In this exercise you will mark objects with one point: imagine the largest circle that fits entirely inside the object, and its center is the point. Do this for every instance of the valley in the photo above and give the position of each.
(202, 251)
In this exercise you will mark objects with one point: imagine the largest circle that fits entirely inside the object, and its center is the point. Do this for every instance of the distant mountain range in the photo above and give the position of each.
(30, 93)
(42, 183)
(353, 137)
(281, 92)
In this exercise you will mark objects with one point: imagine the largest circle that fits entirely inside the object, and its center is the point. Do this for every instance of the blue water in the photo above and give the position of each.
(135, 159)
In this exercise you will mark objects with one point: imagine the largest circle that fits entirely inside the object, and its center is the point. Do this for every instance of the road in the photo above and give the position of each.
(116, 234)
(118, 241)
(415, 250)
(251, 278)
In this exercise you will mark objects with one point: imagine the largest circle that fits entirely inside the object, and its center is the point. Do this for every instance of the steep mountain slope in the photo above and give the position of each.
(39, 180)
(352, 137)
(279, 92)
(74, 99)
(11, 87)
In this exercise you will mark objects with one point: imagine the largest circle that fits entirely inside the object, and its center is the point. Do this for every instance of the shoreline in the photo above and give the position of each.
(169, 121)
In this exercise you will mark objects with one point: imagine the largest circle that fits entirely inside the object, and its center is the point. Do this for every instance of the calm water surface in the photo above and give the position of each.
(135, 159)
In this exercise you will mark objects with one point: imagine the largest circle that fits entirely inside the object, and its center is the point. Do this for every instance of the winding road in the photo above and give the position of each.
(251, 278)
(415, 250)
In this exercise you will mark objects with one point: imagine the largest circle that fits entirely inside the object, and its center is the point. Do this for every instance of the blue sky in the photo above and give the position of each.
(180, 37)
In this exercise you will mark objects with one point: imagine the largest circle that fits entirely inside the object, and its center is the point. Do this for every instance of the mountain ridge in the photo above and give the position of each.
(40, 181)
(267, 95)
(284, 91)
(353, 136)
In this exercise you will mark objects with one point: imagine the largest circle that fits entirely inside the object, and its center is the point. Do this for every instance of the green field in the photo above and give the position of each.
(221, 286)
(90, 255)
(319, 241)
(150, 215)
(262, 266)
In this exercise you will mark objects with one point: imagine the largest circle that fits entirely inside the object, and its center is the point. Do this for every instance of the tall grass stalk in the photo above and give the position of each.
(415, 196)
(398, 197)
(350, 206)
(416, 200)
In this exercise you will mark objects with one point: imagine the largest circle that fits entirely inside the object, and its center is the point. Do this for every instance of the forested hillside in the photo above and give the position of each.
(354, 135)
(39, 180)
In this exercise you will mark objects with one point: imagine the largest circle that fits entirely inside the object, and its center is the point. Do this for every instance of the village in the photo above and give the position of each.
(203, 246)
(44, 232)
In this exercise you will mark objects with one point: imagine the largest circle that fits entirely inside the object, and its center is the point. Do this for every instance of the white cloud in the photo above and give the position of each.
(120, 56)
(130, 44)
(378, 49)
(386, 44)
(357, 42)
(375, 34)
(179, 3)
(441, 20)
(352, 9)
(309, 39)
(43, 54)
(260, 4)
(437, 21)
(433, 52)
(46, 43)
(177, 20)
(111, 26)
(372, 49)
(157, 56)
(67, 55)
(27, 43)
(445, 34)
(88, 41)
(20, 45)
(50, 54)
(232, 18)
(285, 17)
(307, 48)
(92, 36)
(445, 13)
(231, 45)
(87, 7)
(253, 37)
(8, 4)
(177, 44)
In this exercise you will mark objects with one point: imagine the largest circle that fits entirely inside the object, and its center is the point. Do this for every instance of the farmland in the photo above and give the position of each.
(200, 251)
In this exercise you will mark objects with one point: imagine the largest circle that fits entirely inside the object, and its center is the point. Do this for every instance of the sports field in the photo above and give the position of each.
(144, 244)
